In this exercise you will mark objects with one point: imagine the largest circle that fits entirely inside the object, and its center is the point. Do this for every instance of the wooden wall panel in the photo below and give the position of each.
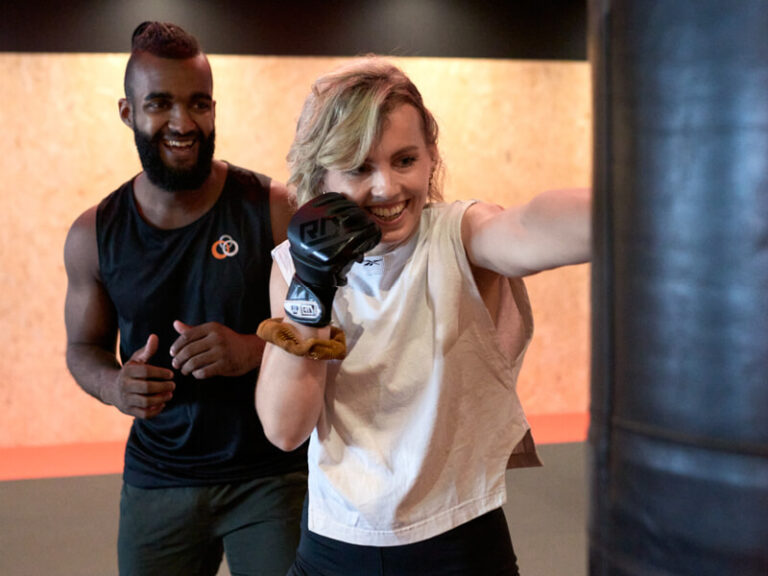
(509, 128)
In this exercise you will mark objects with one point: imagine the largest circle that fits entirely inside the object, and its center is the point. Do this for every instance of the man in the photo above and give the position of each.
(177, 261)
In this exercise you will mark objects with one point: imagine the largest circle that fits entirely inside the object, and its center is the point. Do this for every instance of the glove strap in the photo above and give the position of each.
(309, 305)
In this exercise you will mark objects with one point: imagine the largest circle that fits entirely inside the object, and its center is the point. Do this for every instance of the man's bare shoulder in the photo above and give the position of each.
(283, 204)
(283, 196)
(80, 247)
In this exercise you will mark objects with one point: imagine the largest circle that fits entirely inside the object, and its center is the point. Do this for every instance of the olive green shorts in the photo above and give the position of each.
(185, 531)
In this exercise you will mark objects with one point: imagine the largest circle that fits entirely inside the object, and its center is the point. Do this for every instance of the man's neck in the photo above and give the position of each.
(168, 210)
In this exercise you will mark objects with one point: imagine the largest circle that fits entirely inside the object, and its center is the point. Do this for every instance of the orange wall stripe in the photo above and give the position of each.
(88, 459)
(559, 428)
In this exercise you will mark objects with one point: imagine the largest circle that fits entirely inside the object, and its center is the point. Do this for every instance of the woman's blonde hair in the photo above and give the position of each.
(342, 117)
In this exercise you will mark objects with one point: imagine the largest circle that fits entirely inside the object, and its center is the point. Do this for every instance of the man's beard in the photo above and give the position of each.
(173, 179)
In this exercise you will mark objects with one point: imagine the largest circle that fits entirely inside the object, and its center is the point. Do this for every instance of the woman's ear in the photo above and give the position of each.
(432, 149)
(126, 111)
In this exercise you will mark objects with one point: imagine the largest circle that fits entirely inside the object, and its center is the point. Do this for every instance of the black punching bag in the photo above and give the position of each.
(679, 415)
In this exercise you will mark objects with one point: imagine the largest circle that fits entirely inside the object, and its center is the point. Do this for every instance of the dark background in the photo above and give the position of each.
(515, 29)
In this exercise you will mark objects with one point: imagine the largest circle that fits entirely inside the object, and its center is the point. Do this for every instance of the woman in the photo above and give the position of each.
(411, 432)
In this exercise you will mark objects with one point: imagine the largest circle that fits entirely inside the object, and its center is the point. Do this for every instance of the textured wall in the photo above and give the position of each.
(508, 129)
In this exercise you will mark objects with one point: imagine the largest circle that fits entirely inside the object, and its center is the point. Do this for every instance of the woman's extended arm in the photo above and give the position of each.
(553, 229)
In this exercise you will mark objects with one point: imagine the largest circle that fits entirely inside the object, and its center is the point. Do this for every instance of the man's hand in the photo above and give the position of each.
(212, 349)
(141, 389)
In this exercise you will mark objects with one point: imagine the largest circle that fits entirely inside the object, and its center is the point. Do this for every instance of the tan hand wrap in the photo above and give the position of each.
(285, 336)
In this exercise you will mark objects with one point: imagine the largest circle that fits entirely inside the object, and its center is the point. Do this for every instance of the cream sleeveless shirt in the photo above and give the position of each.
(422, 415)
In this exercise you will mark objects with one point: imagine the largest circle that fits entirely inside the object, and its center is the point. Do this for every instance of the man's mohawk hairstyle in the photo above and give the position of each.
(165, 40)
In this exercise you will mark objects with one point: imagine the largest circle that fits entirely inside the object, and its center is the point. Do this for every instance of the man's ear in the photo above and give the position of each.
(126, 111)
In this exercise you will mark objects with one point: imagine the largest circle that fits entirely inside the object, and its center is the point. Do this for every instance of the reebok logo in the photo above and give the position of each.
(373, 266)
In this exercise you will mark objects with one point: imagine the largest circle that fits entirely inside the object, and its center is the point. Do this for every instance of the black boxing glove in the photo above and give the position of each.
(327, 235)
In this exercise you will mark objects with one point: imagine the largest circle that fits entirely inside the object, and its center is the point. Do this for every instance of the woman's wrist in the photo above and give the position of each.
(318, 343)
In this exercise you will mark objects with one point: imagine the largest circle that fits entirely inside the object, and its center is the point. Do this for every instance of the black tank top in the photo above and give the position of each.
(215, 269)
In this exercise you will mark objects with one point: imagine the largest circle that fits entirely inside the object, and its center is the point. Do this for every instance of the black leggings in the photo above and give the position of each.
(481, 547)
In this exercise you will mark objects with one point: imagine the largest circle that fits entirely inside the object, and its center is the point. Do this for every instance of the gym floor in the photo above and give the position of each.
(67, 526)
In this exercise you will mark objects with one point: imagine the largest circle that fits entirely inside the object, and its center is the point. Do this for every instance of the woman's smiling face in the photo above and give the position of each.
(393, 182)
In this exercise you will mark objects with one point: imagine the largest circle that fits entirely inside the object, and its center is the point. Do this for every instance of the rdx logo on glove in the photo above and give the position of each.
(317, 231)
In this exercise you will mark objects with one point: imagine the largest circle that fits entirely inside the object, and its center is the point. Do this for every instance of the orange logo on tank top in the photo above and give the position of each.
(224, 247)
